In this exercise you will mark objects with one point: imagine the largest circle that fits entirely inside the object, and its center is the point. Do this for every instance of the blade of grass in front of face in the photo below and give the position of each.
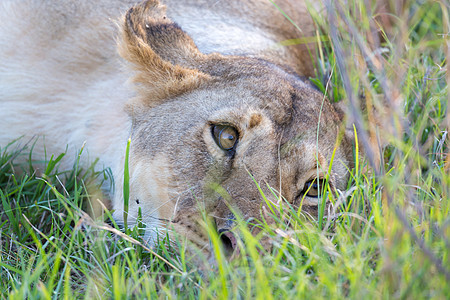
(126, 186)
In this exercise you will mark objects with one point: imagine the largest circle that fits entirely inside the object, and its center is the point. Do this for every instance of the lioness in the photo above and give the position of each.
(212, 99)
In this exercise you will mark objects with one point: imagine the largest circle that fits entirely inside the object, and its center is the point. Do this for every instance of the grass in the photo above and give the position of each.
(391, 238)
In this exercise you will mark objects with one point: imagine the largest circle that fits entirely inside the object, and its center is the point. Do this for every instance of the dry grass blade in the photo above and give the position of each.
(87, 220)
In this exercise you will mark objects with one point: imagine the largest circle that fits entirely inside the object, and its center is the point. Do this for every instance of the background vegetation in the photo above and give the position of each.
(390, 234)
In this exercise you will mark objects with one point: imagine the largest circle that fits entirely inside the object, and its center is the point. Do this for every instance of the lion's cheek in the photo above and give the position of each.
(152, 190)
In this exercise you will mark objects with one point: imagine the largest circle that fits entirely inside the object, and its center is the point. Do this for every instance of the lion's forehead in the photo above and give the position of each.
(273, 89)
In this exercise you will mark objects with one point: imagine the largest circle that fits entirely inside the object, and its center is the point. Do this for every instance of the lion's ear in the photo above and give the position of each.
(160, 52)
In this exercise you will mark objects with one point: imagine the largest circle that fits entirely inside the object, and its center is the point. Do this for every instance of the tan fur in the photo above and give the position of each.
(228, 68)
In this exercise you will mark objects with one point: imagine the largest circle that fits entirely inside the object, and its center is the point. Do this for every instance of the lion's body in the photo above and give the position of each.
(58, 64)
(62, 79)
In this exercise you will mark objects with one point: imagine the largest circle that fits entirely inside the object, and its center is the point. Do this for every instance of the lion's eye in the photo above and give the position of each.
(314, 188)
(225, 136)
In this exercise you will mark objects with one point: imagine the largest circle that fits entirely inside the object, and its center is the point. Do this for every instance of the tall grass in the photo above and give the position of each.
(389, 237)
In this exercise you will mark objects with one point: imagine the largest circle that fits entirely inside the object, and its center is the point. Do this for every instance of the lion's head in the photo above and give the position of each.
(205, 128)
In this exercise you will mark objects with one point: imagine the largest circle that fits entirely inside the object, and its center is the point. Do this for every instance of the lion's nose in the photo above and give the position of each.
(229, 242)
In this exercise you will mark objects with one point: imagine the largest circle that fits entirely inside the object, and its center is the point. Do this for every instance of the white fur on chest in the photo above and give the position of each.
(61, 82)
